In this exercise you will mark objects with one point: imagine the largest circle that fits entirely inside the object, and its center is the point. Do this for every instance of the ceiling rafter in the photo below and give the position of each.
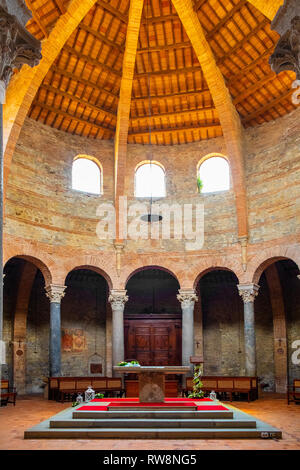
(182, 112)
(68, 115)
(175, 129)
(229, 118)
(82, 101)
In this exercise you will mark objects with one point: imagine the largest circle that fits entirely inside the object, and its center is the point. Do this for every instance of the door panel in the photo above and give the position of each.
(153, 342)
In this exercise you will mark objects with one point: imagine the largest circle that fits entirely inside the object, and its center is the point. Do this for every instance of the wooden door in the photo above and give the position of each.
(153, 341)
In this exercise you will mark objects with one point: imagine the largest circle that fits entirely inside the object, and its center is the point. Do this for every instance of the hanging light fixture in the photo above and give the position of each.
(150, 217)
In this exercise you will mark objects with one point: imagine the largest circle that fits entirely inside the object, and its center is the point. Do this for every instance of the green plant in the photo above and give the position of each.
(99, 395)
(197, 384)
(199, 184)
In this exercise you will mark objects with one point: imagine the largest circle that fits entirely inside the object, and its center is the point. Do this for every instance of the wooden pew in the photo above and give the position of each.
(67, 388)
(231, 386)
(293, 392)
(8, 394)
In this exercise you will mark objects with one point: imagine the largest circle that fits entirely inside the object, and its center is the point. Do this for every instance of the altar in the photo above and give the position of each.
(152, 380)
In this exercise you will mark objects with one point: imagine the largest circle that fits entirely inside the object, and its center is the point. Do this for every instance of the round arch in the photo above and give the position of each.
(213, 268)
(265, 264)
(38, 263)
(96, 270)
(144, 268)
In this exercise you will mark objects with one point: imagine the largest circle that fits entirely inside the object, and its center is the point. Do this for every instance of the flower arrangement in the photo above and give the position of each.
(197, 384)
(130, 363)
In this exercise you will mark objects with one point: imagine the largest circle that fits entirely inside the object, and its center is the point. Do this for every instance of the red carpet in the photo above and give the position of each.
(117, 403)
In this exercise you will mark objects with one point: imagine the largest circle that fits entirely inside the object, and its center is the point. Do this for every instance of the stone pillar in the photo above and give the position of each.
(187, 298)
(248, 292)
(117, 299)
(55, 293)
(17, 47)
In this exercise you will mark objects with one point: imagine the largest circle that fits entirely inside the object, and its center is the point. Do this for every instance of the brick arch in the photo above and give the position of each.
(266, 264)
(144, 268)
(97, 270)
(211, 269)
(37, 263)
(270, 256)
(24, 85)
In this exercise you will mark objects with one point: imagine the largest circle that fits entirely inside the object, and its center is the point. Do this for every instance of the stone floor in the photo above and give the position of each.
(30, 410)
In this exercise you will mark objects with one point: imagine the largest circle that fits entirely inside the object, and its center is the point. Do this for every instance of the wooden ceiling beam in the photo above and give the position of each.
(241, 44)
(82, 101)
(174, 129)
(60, 6)
(178, 113)
(106, 6)
(121, 136)
(181, 94)
(67, 115)
(271, 104)
(83, 81)
(252, 88)
(91, 60)
(229, 118)
(101, 37)
(226, 18)
(37, 18)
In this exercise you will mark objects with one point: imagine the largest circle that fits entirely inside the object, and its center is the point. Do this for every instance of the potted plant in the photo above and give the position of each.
(199, 184)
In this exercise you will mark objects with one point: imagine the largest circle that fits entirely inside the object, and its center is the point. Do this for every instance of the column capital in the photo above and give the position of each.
(248, 292)
(187, 297)
(17, 45)
(55, 292)
(287, 24)
(118, 298)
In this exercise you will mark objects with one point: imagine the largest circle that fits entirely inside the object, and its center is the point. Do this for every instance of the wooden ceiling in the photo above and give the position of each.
(170, 98)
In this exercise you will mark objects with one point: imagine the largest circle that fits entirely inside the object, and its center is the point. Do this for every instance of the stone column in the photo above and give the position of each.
(55, 293)
(187, 298)
(117, 299)
(17, 47)
(248, 292)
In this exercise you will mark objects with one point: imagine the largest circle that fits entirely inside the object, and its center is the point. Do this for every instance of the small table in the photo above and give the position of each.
(152, 379)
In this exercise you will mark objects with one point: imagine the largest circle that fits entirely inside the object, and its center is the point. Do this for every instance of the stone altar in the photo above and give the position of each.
(152, 379)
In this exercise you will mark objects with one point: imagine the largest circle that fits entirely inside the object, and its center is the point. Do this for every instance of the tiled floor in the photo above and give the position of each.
(32, 410)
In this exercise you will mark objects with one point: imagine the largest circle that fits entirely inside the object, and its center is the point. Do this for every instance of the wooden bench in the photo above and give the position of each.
(228, 386)
(62, 388)
(8, 394)
(293, 392)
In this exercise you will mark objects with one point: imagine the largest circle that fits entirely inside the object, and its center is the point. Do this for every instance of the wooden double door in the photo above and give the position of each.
(153, 340)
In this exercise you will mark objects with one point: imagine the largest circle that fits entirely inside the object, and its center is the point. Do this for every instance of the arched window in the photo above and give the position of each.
(86, 175)
(150, 180)
(214, 174)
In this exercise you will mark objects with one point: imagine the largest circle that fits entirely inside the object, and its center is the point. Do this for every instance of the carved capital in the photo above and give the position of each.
(17, 46)
(248, 292)
(55, 292)
(118, 298)
(286, 55)
(187, 298)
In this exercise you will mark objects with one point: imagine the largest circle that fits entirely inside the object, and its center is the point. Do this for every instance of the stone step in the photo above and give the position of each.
(152, 423)
(172, 415)
(149, 433)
